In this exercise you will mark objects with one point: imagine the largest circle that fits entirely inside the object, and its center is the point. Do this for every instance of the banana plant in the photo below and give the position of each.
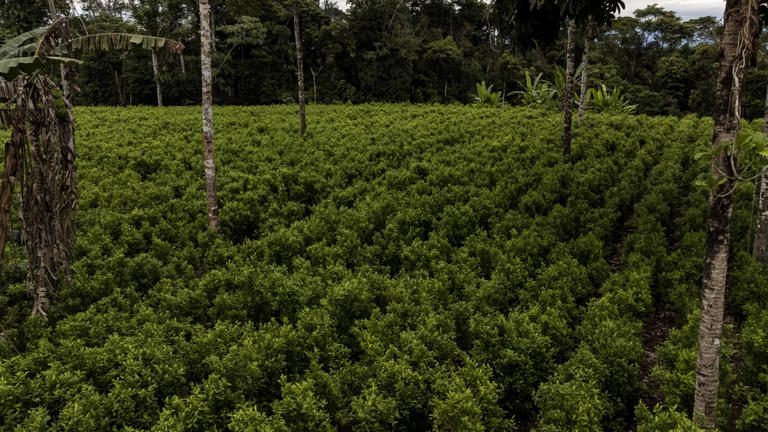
(31, 51)
(611, 101)
(484, 95)
(535, 90)
(41, 152)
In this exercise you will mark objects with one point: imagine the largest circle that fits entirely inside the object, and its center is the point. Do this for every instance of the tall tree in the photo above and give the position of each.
(299, 66)
(156, 74)
(18, 16)
(207, 83)
(740, 20)
(588, 35)
(159, 17)
(568, 90)
(760, 244)
(578, 12)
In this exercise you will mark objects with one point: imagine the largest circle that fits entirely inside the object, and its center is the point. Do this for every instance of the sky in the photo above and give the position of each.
(685, 9)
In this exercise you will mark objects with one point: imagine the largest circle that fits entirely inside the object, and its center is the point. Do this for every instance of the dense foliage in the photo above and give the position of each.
(394, 51)
(401, 268)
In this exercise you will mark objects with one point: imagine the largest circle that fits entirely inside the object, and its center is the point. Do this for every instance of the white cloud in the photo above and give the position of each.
(686, 9)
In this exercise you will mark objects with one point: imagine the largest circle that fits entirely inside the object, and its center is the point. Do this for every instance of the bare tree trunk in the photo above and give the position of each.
(584, 77)
(568, 91)
(120, 95)
(6, 194)
(208, 153)
(760, 245)
(183, 65)
(213, 33)
(156, 71)
(299, 68)
(735, 50)
(314, 85)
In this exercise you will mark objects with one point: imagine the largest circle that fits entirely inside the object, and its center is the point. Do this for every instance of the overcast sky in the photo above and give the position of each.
(685, 8)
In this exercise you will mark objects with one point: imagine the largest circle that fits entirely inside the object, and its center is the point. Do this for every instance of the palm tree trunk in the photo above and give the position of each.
(207, 84)
(156, 72)
(568, 91)
(6, 194)
(584, 76)
(735, 49)
(760, 245)
(299, 68)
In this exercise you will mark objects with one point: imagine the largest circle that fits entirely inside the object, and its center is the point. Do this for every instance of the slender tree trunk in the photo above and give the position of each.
(120, 95)
(760, 245)
(568, 91)
(584, 77)
(299, 68)
(314, 85)
(6, 194)
(207, 84)
(156, 72)
(445, 91)
(183, 65)
(735, 50)
(213, 33)
(503, 92)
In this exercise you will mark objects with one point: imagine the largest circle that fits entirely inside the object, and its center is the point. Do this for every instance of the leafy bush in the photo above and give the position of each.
(535, 91)
(609, 101)
(401, 268)
(485, 96)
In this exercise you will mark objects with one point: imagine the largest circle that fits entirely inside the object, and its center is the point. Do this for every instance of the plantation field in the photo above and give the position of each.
(402, 268)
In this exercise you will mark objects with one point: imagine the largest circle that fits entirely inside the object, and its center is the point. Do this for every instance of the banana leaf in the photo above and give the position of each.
(118, 42)
(22, 41)
(10, 68)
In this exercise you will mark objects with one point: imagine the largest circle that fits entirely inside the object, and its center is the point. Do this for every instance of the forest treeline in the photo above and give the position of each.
(420, 51)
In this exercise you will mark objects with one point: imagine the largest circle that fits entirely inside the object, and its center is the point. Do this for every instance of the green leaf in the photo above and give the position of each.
(700, 155)
(12, 47)
(743, 138)
(10, 68)
(701, 183)
(13, 67)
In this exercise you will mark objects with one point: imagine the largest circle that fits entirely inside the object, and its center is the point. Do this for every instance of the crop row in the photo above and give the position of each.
(400, 268)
